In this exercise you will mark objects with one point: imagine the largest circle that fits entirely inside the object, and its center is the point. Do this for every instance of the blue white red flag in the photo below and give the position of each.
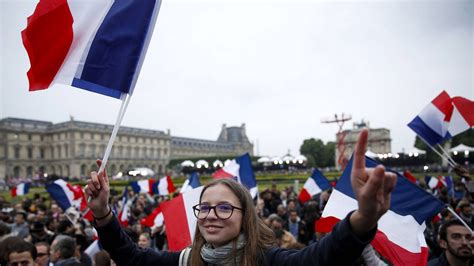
(95, 45)
(435, 182)
(67, 196)
(124, 213)
(165, 186)
(314, 185)
(191, 183)
(443, 118)
(432, 123)
(180, 220)
(400, 237)
(144, 186)
(94, 248)
(20, 189)
(241, 169)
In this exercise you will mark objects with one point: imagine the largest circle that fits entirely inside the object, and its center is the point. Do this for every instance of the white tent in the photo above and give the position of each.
(462, 148)
(415, 152)
(371, 154)
(143, 171)
(217, 163)
(202, 164)
(264, 160)
(187, 163)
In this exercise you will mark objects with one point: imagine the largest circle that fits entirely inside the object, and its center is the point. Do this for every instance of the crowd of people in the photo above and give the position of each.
(37, 232)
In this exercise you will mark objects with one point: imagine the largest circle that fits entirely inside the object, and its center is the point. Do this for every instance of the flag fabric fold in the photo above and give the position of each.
(144, 186)
(165, 186)
(400, 237)
(155, 219)
(314, 185)
(66, 195)
(20, 189)
(191, 183)
(95, 45)
(124, 213)
(241, 169)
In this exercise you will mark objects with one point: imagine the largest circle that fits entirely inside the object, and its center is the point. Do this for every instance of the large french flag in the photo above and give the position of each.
(144, 186)
(180, 220)
(400, 237)
(66, 195)
(432, 123)
(20, 189)
(314, 185)
(462, 118)
(95, 45)
(191, 183)
(241, 169)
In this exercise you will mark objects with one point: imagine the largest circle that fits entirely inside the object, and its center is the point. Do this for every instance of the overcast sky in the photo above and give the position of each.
(277, 66)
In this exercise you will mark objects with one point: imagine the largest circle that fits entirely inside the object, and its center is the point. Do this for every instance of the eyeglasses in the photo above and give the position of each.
(223, 211)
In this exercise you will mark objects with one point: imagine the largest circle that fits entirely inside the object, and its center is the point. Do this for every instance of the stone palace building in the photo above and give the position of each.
(31, 147)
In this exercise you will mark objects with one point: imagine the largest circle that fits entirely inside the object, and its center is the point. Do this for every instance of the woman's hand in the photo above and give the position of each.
(372, 188)
(98, 192)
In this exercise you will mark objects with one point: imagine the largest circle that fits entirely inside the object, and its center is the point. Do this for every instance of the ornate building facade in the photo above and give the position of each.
(379, 140)
(29, 147)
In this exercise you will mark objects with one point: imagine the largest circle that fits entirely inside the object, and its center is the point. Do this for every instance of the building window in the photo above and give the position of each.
(30, 153)
(41, 138)
(82, 135)
(29, 137)
(42, 153)
(17, 152)
(165, 152)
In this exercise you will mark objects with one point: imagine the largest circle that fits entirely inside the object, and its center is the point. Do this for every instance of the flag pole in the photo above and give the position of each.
(123, 108)
(446, 154)
(437, 152)
(460, 219)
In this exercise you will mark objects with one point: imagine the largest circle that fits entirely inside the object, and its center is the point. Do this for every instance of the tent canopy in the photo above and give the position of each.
(461, 148)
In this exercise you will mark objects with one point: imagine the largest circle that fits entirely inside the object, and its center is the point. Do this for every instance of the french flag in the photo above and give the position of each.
(94, 248)
(95, 45)
(433, 121)
(435, 182)
(191, 183)
(314, 185)
(20, 190)
(400, 237)
(125, 211)
(462, 118)
(180, 220)
(155, 219)
(165, 186)
(67, 196)
(144, 186)
(241, 169)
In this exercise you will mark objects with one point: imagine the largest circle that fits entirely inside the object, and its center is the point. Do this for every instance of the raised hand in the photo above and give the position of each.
(372, 188)
(98, 190)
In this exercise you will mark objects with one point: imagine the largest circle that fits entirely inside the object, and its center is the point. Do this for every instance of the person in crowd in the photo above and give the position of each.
(465, 212)
(455, 240)
(21, 253)
(144, 240)
(230, 232)
(63, 251)
(5, 246)
(102, 258)
(296, 227)
(19, 226)
(42, 253)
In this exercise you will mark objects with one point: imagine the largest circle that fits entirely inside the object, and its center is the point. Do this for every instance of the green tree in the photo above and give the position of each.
(318, 153)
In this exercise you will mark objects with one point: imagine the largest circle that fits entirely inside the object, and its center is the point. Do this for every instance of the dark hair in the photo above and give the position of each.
(259, 236)
(5, 246)
(66, 246)
(444, 228)
(22, 246)
(102, 258)
(63, 226)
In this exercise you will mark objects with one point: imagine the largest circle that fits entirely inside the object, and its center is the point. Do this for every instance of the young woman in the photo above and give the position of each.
(229, 231)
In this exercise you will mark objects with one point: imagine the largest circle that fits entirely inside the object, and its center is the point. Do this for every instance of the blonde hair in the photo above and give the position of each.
(259, 236)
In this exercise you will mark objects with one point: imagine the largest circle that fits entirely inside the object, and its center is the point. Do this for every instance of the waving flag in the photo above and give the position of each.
(165, 186)
(125, 211)
(462, 118)
(144, 186)
(400, 237)
(180, 220)
(190, 183)
(314, 185)
(95, 45)
(66, 195)
(435, 182)
(433, 121)
(20, 189)
(241, 169)
(155, 219)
